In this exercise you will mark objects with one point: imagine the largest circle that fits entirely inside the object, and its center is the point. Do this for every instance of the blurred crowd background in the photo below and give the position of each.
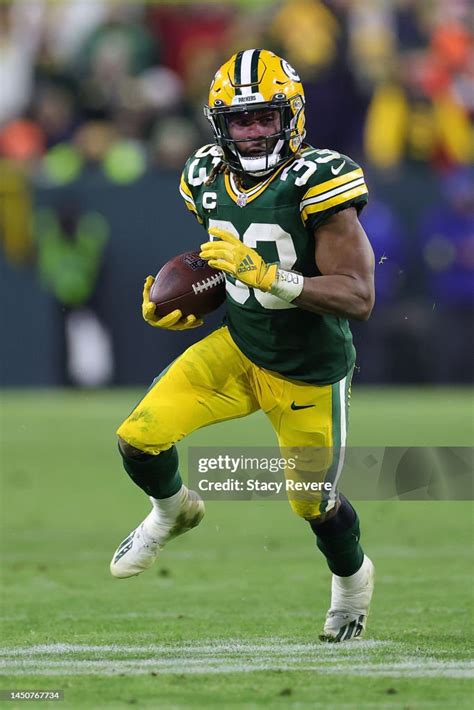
(101, 104)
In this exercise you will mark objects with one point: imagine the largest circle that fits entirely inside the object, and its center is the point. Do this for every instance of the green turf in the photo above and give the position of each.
(245, 593)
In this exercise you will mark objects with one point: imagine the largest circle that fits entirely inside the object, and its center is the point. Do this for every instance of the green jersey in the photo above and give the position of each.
(277, 217)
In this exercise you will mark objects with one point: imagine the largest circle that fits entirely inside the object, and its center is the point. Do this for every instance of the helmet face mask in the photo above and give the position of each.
(255, 81)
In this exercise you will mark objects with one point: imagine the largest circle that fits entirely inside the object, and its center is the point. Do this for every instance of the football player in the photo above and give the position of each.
(282, 217)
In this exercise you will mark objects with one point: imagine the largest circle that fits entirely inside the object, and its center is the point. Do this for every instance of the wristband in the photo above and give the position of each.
(287, 285)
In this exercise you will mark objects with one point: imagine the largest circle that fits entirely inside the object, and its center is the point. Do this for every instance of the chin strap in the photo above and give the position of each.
(268, 162)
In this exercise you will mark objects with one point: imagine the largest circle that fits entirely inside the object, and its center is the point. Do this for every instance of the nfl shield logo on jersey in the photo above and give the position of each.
(242, 200)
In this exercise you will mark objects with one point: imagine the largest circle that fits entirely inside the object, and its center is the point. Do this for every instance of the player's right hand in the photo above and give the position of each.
(172, 321)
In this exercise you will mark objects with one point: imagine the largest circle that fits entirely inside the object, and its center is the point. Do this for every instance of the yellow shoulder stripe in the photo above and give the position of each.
(188, 200)
(184, 186)
(333, 201)
(191, 207)
(335, 182)
(186, 194)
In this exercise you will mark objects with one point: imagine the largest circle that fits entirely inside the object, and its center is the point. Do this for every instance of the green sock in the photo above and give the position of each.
(343, 552)
(157, 475)
(338, 540)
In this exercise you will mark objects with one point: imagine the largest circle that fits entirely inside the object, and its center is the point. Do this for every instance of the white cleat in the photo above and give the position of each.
(350, 602)
(169, 518)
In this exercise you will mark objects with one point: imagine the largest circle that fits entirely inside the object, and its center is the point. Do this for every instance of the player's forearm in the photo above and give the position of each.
(338, 295)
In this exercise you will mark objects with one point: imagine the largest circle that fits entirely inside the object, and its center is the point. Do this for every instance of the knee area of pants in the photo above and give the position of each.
(305, 508)
(129, 451)
(147, 439)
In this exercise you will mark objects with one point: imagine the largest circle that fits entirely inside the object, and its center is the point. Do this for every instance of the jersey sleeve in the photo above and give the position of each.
(187, 195)
(337, 184)
(193, 183)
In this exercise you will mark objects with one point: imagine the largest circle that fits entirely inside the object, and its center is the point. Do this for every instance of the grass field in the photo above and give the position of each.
(229, 616)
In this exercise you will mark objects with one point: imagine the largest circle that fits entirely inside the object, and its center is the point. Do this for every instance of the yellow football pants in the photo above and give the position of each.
(213, 381)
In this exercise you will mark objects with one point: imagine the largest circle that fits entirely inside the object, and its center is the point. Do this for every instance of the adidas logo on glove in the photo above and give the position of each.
(246, 265)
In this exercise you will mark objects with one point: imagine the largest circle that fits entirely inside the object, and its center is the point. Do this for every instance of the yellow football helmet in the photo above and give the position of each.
(252, 80)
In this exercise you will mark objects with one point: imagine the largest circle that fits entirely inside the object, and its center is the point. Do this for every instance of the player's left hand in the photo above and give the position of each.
(173, 321)
(239, 260)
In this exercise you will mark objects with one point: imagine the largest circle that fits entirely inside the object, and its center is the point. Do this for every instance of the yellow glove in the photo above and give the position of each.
(173, 321)
(239, 260)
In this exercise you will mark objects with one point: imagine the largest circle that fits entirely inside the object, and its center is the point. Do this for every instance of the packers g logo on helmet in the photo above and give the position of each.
(252, 80)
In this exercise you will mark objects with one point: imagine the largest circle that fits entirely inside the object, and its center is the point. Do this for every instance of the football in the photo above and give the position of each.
(188, 282)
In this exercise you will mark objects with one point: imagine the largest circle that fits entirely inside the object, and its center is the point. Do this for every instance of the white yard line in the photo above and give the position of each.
(363, 658)
(270, 645)
(217, 666)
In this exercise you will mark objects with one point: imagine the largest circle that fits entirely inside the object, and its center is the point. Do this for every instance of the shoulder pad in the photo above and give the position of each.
(196, 171)
(335, 182)
(199, 166)
(206, 153)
